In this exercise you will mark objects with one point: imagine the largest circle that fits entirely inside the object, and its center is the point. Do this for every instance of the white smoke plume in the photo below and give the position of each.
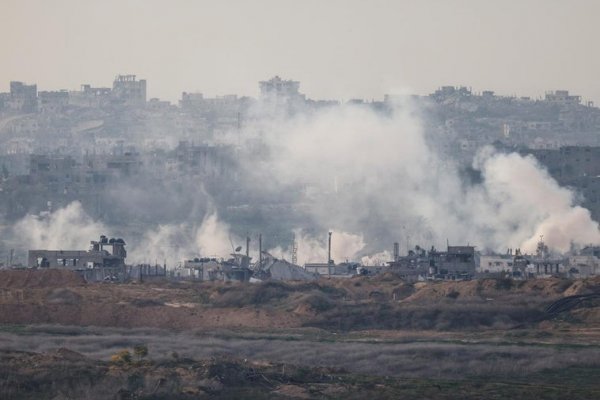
(376, 259)
(371, 179)
(526, 204)
(67, 228)
(375, 177)
(344, 247)
(70, 228)
(173, 243)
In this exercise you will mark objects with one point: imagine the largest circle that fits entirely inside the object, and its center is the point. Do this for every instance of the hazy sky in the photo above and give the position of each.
(337, 49)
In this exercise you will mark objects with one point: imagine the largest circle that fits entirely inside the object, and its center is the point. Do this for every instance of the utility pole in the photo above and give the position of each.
(329, 250)
(259, 250)
(329, 261)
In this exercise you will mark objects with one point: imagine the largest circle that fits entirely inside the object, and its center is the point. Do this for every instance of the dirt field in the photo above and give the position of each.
(381, 303)
(353, 338)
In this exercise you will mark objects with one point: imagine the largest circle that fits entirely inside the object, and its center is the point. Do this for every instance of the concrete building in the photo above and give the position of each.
(457, 262)
(281, 96)
(88, 96)
(129, 91)
(323, 269)
(53, 102)
(586, 263)
(277, 87)
(95, 264)
(23, 98)
(562, 97)
(496, 264)
(212, 163)
(236, 268)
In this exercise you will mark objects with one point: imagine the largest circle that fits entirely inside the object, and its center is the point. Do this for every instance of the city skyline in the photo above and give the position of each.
(333, 49)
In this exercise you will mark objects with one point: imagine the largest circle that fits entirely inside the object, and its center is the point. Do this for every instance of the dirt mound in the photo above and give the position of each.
(436, 291)
(35, 279)
(63, 296)
(68, 354)
(585, 286)
(549, 287)
(496, 288)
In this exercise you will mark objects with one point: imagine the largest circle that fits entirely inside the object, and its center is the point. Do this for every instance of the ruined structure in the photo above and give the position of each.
(457, 262)
(281, 96)
(586, 263)
(129, 90)
(276, 269)
(518, 265)
(95, 264)
(22, 98)
(236, 268)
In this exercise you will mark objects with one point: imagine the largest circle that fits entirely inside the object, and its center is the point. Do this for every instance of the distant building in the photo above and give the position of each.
(446, 93)
(277, 87)
(236, 268)
(95, 264)
(129, 90)
(280, 95)
(275, 269)
(496, 264)
(562, 97)
(586, 263)
(458, 262)
(53, 102)
(323, 269)
(212, 163)
(332, 269)
(89, 96)
(23, 98)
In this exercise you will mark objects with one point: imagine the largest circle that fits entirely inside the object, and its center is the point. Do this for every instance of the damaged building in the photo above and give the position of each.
(586, 263)
(273, 268)
(456, 263)
(519, 265)
(237, 268)
(105, 260)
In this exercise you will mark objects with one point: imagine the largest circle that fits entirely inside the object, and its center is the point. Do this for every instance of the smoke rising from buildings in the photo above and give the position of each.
(72, 228)
(371, 177)
(173, 243)
(67, 228)
(375, 176)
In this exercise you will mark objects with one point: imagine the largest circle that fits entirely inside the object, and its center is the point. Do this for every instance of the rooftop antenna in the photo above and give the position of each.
(329, 249)
(260, 250)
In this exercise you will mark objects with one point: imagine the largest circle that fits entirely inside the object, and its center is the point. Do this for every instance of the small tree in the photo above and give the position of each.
(140, 351)
(122, 357)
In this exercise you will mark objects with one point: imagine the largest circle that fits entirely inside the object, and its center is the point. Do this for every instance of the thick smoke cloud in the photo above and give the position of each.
(524, 203)
(72, 228)
(344, 247)
(173, 243)
(371, 178)
(67, 228)
(375, 176)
